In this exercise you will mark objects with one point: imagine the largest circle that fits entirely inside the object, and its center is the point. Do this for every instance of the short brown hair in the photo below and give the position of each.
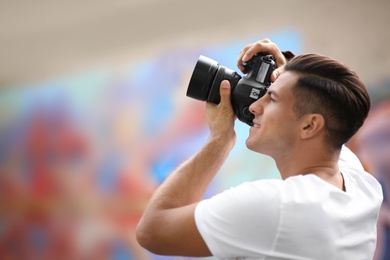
(328, 87)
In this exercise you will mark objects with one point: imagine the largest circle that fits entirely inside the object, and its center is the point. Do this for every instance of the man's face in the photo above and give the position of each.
(275, 124)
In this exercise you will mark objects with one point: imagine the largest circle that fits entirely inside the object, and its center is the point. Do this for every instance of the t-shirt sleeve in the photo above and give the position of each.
(242, 221)
(349, 160)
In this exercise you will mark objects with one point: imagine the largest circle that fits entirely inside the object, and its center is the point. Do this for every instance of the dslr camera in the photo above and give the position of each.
(208, 75)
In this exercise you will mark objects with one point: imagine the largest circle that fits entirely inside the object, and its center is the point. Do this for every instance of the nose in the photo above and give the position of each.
(256, 107)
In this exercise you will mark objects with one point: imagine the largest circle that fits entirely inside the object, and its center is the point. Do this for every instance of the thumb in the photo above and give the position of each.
(224, 91)
(276, 73)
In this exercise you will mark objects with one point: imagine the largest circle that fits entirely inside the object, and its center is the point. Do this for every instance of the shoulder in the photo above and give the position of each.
(357, 180)
(349, 160)
(265, 195)
(355, 175)
(261, 201)
(230, 221)
(247, 196)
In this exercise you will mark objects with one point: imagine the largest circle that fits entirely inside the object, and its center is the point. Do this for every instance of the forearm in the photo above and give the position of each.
(188, 182)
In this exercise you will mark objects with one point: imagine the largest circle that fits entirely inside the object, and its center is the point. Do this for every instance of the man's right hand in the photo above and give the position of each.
(264, 46)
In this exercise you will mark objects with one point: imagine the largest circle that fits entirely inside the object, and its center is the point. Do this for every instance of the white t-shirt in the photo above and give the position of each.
(302, 217)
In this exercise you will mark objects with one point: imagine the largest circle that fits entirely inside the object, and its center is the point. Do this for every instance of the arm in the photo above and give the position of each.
(168, 225)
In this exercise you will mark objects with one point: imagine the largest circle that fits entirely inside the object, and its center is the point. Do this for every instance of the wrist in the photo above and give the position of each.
(223, 140)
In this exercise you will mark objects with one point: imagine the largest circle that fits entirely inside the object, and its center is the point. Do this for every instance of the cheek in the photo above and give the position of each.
(286, 124)
(279, 115)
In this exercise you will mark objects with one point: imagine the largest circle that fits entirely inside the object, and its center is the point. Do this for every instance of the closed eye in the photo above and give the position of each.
(271, 95)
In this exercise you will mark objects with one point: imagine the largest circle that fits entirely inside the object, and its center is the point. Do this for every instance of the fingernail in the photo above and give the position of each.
(245, 57)
(225, 85)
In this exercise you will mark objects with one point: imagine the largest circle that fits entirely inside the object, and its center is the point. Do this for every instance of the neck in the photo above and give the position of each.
(301, 160)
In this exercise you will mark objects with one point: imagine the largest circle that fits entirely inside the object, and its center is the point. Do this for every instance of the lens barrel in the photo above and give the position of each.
(202, 78)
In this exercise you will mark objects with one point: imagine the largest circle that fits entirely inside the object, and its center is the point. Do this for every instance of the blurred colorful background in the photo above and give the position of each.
(94, 116)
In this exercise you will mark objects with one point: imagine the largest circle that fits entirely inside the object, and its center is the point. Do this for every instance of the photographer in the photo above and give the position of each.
(324, 207)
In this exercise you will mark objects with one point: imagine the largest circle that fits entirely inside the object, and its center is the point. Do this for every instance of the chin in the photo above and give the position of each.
(255, 147)
(250, 145)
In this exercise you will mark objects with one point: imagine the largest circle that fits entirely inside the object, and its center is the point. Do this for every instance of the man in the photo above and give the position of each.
(323, 208)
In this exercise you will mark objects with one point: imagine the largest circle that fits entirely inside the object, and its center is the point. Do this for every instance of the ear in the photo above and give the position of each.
(312, 124)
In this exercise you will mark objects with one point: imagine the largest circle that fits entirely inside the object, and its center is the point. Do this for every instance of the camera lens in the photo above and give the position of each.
(202, 78)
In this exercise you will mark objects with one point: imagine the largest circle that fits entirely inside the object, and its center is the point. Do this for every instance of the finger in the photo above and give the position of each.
(257, 47)
(240, 56)
(263, 46)
(275, 74)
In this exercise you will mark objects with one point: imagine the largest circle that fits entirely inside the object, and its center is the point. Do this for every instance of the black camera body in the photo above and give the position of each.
(208, 75)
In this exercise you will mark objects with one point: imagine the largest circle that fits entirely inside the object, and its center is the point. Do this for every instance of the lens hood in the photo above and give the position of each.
(202, 78)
